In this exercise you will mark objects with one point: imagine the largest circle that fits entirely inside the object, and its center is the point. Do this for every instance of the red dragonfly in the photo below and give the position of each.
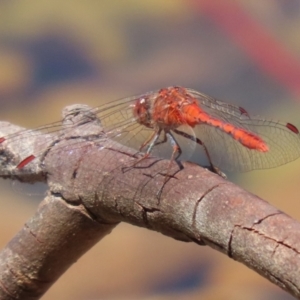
(230, 137)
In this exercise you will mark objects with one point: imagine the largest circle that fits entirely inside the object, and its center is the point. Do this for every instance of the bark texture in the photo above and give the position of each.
(93, 185)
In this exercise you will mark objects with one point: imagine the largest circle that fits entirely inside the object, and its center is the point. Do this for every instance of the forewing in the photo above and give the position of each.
(115, 120)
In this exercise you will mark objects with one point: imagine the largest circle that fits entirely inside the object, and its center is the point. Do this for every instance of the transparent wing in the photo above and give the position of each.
(118, 123)
(226, 153)
(116, 119)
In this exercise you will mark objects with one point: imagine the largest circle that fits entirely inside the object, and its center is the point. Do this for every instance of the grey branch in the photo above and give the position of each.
(94, 185)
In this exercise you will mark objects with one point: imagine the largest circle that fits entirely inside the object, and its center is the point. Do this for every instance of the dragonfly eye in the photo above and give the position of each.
(141, 111)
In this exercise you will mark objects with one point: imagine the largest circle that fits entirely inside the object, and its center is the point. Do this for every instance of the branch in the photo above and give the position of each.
(93, 186)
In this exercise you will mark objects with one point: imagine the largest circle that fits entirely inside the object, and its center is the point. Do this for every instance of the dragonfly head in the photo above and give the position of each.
(141, 111)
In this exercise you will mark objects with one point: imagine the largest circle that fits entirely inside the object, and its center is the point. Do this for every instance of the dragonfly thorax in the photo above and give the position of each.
(174, 107)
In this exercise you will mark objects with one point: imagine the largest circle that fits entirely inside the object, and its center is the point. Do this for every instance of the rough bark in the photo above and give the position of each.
(93, 186)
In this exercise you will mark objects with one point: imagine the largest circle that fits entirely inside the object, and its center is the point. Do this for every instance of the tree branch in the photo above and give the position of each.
(93, 186)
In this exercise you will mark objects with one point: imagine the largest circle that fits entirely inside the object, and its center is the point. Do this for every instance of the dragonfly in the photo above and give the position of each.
(176, 118)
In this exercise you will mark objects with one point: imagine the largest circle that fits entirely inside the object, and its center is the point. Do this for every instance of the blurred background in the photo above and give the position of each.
(56, 53)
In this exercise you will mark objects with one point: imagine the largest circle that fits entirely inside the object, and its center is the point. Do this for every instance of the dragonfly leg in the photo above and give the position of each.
(199, 142)
(151, 142)
(175, 155)
(176, 151)
(176, 148)
(214, 168)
